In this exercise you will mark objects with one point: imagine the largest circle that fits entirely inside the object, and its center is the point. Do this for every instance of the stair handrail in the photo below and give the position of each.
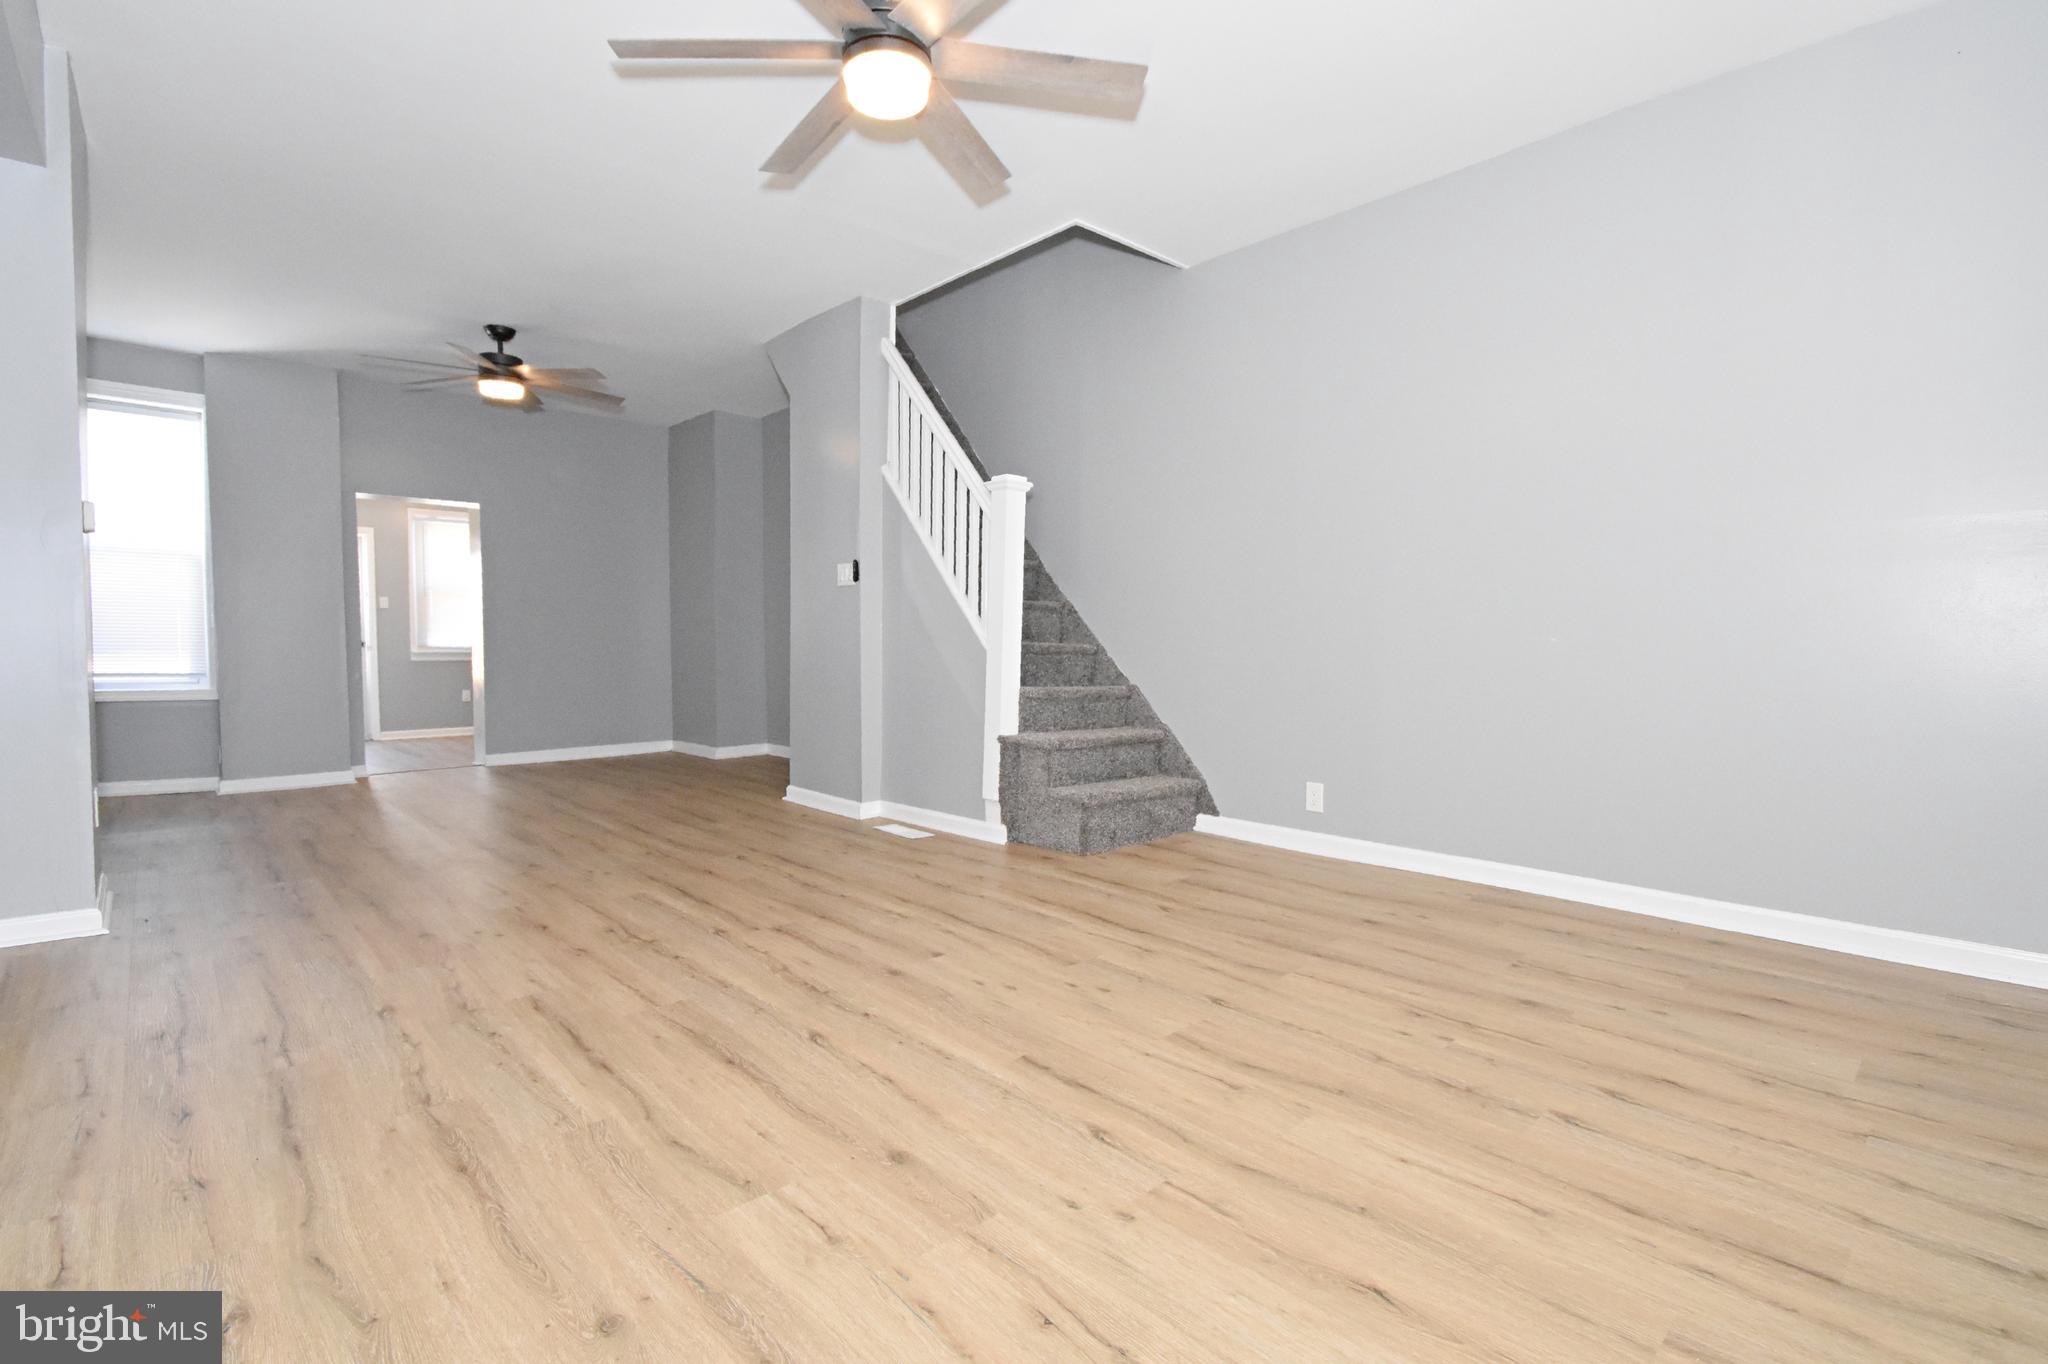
(973, 531)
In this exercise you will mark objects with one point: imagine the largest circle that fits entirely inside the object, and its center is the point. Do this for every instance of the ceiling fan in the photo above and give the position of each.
(896, 62)
(502, 379)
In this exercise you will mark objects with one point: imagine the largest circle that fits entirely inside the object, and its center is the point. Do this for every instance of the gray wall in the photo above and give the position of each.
(693, 579)
(934, 682)
(273, 451)
(835, 436)
(22, 92)
(124, 362)
(46, 843)
(153, 740)
(575, 549)
(1664, 503)
(775, 571)
(727, 596)
(412, 693)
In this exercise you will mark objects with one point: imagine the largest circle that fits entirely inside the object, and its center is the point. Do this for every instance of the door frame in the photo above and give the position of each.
(366, 611)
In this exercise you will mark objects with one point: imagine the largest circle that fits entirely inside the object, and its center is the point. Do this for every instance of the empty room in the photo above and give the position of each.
(875, 681)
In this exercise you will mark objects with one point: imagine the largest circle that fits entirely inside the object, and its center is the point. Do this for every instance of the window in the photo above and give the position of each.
(152, 599)
(445, 591)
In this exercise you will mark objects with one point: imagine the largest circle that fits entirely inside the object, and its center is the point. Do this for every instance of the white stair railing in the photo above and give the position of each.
(974, 531)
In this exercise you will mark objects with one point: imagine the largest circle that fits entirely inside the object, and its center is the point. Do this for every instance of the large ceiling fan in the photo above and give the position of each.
(503, 379)
(896, 62)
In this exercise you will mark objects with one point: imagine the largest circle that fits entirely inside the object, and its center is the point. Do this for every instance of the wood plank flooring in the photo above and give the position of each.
(631, 1060)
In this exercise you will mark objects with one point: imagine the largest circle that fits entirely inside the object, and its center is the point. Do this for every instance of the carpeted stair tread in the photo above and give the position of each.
(1128, 789)
(1103, 691)
(1085, 738)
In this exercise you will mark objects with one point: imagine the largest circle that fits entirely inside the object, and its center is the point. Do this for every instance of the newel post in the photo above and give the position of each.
(1004, 585)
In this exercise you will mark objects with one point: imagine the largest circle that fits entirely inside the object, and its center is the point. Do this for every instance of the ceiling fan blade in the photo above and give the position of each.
(810, 134)
(932, 19)
(849, 13)
(561, 376)
(735, 49)
(1052, 73)
(959, 147)
(468, 378)
(396, 361)
(578, 392)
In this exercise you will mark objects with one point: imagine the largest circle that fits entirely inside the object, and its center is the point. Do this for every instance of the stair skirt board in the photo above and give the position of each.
(570, 755)
(980, 830)
(1985, 961)
(297, 781)
(734, 751)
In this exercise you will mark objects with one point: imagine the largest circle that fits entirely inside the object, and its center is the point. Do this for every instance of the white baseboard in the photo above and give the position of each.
(570, 755)
(165, 786)
(361, 771)
(960, 826)
(736, 751)
(1982, 960)
(23, 929)
(832, 805)
(458, 732)
(298, 781)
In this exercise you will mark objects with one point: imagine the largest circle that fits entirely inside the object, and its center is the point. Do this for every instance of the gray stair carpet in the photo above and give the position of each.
(1092, 767)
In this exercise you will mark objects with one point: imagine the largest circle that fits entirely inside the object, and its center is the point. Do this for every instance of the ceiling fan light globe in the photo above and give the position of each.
(887, 78)
(501, 390)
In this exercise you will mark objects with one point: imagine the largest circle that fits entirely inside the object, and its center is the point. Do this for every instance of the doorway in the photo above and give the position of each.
(419, 574)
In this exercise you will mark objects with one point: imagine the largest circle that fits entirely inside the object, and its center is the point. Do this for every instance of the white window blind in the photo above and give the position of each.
(445, 587)
(145, 474)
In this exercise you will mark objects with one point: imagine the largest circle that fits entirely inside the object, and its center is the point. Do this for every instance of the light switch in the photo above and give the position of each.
(849, 574)
(465, 693)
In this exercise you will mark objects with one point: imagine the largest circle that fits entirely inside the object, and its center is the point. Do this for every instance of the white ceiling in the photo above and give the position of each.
(320, 179)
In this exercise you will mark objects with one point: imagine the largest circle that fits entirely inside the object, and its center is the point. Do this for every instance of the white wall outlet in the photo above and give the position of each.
(1315, 797)
(465, 693)
(848, 573)
(383, 603)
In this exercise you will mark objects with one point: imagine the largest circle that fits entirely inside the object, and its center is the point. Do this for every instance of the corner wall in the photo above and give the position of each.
(46, 813)
(1663, 503)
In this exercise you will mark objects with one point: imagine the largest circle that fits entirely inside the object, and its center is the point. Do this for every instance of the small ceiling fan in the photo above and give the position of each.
(896, 62)
(502, 379)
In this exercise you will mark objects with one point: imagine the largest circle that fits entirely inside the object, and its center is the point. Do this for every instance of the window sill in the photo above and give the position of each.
(163, 694)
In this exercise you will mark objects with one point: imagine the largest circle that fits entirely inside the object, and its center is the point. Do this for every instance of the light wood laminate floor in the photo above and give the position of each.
(630, 1060)
(382, 757)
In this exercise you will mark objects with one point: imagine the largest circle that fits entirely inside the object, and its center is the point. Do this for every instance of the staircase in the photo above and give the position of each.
(1075, 758)
(1090, 767)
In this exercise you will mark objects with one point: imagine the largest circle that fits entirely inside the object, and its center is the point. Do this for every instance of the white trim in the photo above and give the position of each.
(456, 732)
(23, 929)
(1982, 960)
(360, 770)
(736, 751)
(570, 755)
(297, 781)
(162, 786)
(440, 655)
(960, 826)
(832, 805)
(157, 694)
(145, 396)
